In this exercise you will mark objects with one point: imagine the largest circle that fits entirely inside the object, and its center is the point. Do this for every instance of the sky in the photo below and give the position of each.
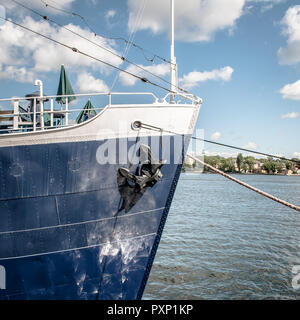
(242, 57)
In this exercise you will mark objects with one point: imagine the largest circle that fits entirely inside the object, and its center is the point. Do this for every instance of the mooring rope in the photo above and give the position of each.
(285, 203)
(139, 125)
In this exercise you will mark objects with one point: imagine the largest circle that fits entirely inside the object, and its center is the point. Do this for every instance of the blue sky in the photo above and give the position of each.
(240, 56)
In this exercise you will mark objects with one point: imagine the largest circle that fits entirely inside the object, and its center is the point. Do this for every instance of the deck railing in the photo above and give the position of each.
(38, 115)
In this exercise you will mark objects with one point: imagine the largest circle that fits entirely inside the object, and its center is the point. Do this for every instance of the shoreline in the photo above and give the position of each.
(244, 174)
(245, 165)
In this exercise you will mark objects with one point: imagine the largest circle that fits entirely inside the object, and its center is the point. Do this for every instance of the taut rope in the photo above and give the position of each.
(285, 203)
(139, 125)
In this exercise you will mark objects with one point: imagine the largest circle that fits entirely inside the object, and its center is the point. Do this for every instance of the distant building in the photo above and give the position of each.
(189, 161)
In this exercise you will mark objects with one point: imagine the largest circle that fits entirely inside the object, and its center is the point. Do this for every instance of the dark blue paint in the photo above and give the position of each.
(58, 213)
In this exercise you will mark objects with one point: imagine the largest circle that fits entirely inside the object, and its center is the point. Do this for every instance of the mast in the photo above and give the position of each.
(173, 66)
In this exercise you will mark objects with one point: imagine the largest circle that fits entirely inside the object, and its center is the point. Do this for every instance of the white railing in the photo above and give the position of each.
(20, 119)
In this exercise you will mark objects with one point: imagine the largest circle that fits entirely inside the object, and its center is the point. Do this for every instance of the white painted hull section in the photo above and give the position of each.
(115, 121)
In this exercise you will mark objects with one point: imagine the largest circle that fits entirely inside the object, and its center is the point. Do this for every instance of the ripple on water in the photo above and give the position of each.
(222, 241)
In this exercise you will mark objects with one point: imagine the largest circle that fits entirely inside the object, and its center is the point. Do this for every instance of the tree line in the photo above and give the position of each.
(248, 164)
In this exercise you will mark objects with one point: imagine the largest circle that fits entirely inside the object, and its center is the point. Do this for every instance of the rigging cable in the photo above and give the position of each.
(128, 45)
(69, 12)
(111, 38)
(93, 42)
(139, 124)
(143, 79)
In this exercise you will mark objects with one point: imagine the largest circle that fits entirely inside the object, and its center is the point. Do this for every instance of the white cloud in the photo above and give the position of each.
(250, 145)
(36, 54)
(291, 115)
(93, 2)
(196, 20)
(158, 69)
(110, 14)
(87, 83)
(38, 4)
(193, 78)
(17, 74)
(109, 17)
(267, 4)
(216, 135)
(296, 154)
(291, 29)
(291, 91)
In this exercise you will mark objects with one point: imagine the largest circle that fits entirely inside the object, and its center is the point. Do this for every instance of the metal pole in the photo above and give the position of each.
(67, 111)
(34, 114)
(42, 114)
(173, 59)
(39, 83)
(16, 114)
(51, 112)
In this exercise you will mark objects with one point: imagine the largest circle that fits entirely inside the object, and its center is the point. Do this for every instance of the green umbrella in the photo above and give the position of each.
(87, 112)
(64, 87)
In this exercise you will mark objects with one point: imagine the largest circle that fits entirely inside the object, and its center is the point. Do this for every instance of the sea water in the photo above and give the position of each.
(223, 241)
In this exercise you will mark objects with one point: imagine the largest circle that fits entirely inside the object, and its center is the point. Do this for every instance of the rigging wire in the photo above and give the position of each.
(69, 12)
(132, 35)
(130, 42)
(139, 124)
(123, 58)
(143, 79)
(104, 48)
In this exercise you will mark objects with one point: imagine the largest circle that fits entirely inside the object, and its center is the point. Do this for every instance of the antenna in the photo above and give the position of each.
(173, 66)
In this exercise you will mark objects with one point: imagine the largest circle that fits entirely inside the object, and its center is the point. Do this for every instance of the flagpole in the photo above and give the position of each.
(172, 55)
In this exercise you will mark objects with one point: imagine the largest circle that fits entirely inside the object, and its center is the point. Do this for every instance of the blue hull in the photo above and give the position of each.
(65, 230)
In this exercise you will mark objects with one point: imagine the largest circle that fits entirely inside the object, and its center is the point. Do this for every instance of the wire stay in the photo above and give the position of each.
(143, 79)
(122, 57)
(143, 50)
(139, 124)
